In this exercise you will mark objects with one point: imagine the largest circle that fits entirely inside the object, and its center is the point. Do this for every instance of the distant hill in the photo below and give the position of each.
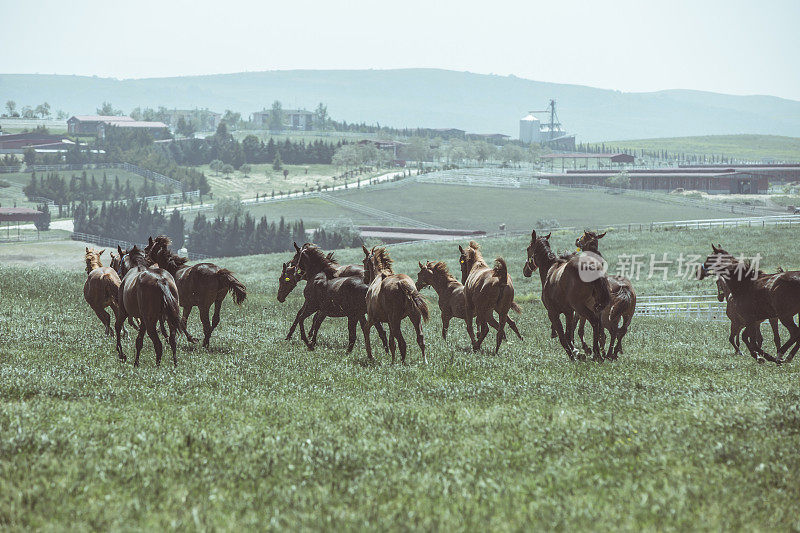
(426, 97)
(740, 146)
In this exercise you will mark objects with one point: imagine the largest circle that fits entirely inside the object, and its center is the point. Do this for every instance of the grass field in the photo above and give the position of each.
(260, 433)
(754, 147)
(452, 206)
(263, 179)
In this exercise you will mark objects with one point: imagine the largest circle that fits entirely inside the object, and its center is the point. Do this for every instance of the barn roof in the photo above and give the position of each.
(579, 155)
(134, 124)
(18, 214)
(102, 118)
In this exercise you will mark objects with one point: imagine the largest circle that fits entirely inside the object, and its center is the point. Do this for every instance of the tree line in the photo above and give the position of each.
(85, 187)
(220, 236)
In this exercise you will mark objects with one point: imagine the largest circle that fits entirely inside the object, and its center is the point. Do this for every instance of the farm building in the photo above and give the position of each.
(776, 171)
(583, 159)
(293, 119)
(12, 144)
(549, 133)
(158, 130)
(389, 146)
(713, 181)
(88, 124)
(203, 119)
(488, 137)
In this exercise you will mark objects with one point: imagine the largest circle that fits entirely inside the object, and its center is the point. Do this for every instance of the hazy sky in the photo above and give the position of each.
(731, 46)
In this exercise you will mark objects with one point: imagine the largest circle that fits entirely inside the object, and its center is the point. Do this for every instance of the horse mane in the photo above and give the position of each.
(551, 256)
(318, 257)
(440, 267)
(381, 260)
(135, 256)
(474, 253)
(165, 257)
(92, 259)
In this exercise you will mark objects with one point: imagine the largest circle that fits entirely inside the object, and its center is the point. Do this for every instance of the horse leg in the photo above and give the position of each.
(351, 333)
(500, 332)
(794, 339)
(174, 346)
(581, 327)
(415, 320)
(571, 320)
(118, 325)
(157, 346)
(513, 326)
(733, 338)
(104, 317)
(383, 336)
(163, 328)
(445, 324)
(494, 324)
(597, 333)
(366, 325)
(392, 336)
(187, 309)
(401, 343)
(204, 309)
(468, 319)
(297, 318)
(315, 324)
(139, 342)
(217, 309)
(555, 324)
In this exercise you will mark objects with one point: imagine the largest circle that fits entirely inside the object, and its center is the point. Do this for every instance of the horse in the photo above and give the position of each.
(149, 294)
(732, 311)
(623, 300)
(326, 295)
(759, 296)
(486, 290)
(564, 292)
(391, 298)
(101, 288)
(201, 285)
(452, 302)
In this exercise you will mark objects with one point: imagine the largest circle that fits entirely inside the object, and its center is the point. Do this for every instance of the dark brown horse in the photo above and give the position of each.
(101, 288)
(149, 294)
(452, 302)
(343, 296)
(486, 290)
(338, 270)
(201, 285)
(759, 296)
(622, 305)
(391, 298)
(737, 321)
(565, 291)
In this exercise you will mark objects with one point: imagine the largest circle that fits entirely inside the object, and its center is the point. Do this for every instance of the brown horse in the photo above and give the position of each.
(565, 292)
(326, 295)
(391, 298)
(622, 305)
(452, 302)
(149, 294)
(201, 285)
(737, 322)
(759, 296)
(486, 290)
(101, 288)
(339, 270)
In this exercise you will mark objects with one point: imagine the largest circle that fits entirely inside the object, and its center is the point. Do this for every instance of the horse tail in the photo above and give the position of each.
(500, 271)
(235, 287)
(110, 289)
(516, 308)
(620, 307)
(416, 300)
(170, 307)
(601, 293)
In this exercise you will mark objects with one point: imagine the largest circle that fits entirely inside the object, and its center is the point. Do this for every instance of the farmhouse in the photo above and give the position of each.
(714, 181)
(203, 119)
(293, 119)
(88, 124)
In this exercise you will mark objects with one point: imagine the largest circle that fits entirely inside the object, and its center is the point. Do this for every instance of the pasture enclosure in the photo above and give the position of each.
(258, 432)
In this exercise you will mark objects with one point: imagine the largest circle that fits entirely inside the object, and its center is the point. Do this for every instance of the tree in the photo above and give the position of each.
(276, 163)
(43, 110)
(108, 110)
(11, 105)
(227, 169)
(29, 156)
(276, 116)
(231, 118)
(27, 112)
(216, 165)
(42, 222)
(321, 116)
(185, 127)
(246, 169)
(229, 207)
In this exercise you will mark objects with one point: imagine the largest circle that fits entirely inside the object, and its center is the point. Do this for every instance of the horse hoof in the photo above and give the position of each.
(760, 360)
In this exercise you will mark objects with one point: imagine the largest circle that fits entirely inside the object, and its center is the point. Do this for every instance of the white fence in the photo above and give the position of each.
(699, 306)
(112, 243)
(144, 172)
(484, 177)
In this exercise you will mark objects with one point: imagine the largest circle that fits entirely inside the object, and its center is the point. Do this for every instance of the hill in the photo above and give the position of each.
(427, 98)
(740, 146)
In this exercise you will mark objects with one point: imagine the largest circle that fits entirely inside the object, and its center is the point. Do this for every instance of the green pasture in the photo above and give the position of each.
(260, 433)
(744, 146)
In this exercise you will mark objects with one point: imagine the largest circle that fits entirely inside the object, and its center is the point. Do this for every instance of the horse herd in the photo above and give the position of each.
(151, 284)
